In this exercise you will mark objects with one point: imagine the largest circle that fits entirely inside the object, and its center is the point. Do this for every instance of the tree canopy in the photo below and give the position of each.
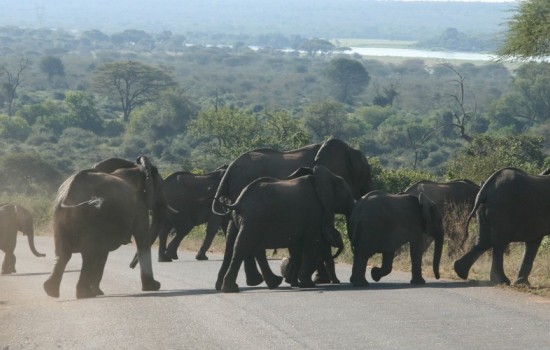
(528, 34)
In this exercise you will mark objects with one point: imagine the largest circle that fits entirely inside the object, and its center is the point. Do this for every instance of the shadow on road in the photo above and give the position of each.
(35, 273)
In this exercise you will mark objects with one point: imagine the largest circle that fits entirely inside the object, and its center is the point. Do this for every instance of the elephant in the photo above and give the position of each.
(95, 212)
(295, 214)
(14, 218)
(450, 197)
(382, 222)
(191, 196)
(334, 154)
(511, 206)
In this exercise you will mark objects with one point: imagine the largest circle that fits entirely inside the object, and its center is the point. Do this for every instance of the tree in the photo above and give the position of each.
(348, 77)
(52, 66)
(12, 81)
(528, 34)
(134, 83)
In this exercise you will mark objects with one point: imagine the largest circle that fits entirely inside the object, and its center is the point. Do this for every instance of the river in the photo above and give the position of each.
(416, 53)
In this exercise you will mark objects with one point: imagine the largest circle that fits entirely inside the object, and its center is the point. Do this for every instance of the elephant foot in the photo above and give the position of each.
(274, 282)
(254, 280)
(51, 289)
(376, 273)
(306, 284)
(230, 287)
(499, 279)
(164, 258)
(418, 280)
(321, 278)
(97, 291)
(150, 286)
(85, 292)
(172, 254)
(5, 272)
(522, 281)
(285, 267)
(461, 270)
(201, 256)
(359, 282)
(218, 285)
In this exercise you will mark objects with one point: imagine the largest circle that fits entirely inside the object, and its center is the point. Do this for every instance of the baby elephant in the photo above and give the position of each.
(381, 223)
(271, 213)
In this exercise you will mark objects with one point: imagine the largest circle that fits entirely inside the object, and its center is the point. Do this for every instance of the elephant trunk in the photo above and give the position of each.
(438, 248)
(30, 238)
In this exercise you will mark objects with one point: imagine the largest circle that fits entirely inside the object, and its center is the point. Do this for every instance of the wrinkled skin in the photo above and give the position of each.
(271, 214)
(448, 196)
(190, 195)
(334, 154)
(14, 218)
(512, 206)
(381, 223)
(96, 212)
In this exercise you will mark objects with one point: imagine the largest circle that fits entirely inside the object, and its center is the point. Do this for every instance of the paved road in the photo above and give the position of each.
(189, 314)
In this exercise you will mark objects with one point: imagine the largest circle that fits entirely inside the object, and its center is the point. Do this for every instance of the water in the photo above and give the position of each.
(414, 53)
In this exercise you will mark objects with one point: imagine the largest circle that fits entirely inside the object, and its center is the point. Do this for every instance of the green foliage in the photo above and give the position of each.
(133, 84)
(395, 180)
(29, 174)
(328, 119)
(528, 34)
(52, 66)
(348, 78)
(14, 128)
(487, 154)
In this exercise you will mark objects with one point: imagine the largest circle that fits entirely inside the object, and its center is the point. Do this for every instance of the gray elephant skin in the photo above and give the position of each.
(95, 212)
(334, 154)
(512, 206)
(382, 222)
(14, 218)
(449, 197)
(293, 214)
(190, 195)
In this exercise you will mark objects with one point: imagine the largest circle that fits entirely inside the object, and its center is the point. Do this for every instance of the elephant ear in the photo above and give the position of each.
(149, 185)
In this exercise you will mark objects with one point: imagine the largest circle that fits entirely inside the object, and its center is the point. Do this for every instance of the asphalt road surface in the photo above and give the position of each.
(187, 313)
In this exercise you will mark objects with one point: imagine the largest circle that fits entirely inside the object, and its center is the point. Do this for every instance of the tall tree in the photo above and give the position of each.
(348, 77)
(528, 34)
(52, 66)
(12, 81)
(133, 83)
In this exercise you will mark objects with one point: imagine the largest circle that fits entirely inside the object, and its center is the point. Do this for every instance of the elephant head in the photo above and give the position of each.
(347, 162)
(433, 223)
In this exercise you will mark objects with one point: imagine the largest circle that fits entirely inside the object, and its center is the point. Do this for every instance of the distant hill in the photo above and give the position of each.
(404, 20)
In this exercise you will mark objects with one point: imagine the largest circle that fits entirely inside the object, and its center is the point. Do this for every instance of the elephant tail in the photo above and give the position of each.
(96, 202)
(30, 238)
(221, 206)
(480, 199)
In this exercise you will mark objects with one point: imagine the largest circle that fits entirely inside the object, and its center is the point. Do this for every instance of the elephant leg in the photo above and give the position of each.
(51, 285)
(531, 249)
(387, 265)
(229, 284)
(181, 232)
(326, 271)
(497, 266)
(359, 268)
(310, 253)
(416, 249)
(462, 266)
(83, 286)
(212, 226)
(97, 275)
(253, 276)
(148, 282)
(272, 280)
(232, 232)
(294, 262)
(8, 265)
(163, 237)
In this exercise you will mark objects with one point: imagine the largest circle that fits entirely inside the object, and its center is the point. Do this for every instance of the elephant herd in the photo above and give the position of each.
(266, 199)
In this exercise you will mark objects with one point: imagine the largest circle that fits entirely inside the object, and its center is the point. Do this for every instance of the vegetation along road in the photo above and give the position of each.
(188, 313)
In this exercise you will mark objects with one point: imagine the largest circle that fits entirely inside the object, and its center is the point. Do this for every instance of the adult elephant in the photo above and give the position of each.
(334, 154)
(14, 218)
(454, 199)
(381, 223)
(511, 206)
(297, 214)
(95, 212)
